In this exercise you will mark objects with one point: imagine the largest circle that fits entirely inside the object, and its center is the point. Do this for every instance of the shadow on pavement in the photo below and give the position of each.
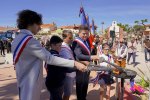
(8, 91)
(6, 67)
(7, 79)
(93, 95)
(137, 63)
(131, 96)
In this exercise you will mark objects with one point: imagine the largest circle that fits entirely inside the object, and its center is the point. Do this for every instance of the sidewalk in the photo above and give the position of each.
(6, 60)
(2, 59)
(140, 63)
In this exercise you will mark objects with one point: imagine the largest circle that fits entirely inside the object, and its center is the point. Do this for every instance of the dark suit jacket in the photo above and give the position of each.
(55, 74)
(80, 53)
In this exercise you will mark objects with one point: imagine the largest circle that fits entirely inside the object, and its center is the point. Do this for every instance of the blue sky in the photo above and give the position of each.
(65, 12)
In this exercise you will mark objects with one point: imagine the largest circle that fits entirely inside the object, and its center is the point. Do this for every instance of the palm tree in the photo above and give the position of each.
(124, 26)
(120, 25)
(140, 26)
(143, 21)
(136, 22)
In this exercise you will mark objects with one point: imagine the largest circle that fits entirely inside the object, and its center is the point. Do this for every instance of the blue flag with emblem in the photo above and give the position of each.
(83, 17)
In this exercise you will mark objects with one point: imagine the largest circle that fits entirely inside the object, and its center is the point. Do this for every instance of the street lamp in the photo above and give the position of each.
(102, 26)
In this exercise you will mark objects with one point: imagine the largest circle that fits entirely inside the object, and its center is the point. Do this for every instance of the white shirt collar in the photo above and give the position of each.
(26, 31)
(65, 44)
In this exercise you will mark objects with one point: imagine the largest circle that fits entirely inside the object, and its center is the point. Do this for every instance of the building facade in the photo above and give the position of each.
(115, 31)
(48, 28)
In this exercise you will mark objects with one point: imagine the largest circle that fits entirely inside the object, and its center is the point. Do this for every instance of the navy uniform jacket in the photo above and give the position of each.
(56, 74)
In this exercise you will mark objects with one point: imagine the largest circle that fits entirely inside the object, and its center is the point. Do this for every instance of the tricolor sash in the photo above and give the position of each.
(96, 79)
(81, 43)
(99, 48)
(109, 58)
(69, 50)
(20, 47)
(123, 49)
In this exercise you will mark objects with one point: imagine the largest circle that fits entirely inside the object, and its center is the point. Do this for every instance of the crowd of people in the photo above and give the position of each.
(66, 60)
(69, 47)
(60, 83)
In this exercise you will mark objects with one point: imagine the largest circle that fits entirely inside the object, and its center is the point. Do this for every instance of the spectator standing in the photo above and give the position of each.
(2, 47)
(132, 46)
(147, 48)
(67, 53)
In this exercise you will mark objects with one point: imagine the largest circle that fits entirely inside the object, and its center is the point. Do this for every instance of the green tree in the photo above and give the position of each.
(144, 21)
(141, 22)
(125, 27)
(136, 22)
(139, 26)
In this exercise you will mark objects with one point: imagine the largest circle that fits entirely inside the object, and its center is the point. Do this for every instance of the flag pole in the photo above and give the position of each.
(81, 4)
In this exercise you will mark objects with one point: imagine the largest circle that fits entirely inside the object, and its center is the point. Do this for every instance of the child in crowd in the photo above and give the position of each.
(105, 79)
(56, 75)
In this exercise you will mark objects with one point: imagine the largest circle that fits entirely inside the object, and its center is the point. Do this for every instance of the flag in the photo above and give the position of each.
(88, 22)
(85, 22)
(83, 17)
(91, 36)
(81, 11)
(93, 27)
(91, 40)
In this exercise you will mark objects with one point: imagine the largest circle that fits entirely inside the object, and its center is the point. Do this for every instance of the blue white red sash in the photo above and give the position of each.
(20, 47)
(109, 58)
(69, 50)
(96, 79)
(83, 45)
(99, 48)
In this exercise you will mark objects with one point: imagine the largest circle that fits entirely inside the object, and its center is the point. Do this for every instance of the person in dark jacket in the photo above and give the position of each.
(82, 52)
(8, 45)
(56, 76)
(2, 47)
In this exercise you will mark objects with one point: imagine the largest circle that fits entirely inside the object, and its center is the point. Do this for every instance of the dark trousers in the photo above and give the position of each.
(2, 51)
(8, 49)
(56, 93)
(82, 80)
(133, 56)
(146, 51)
